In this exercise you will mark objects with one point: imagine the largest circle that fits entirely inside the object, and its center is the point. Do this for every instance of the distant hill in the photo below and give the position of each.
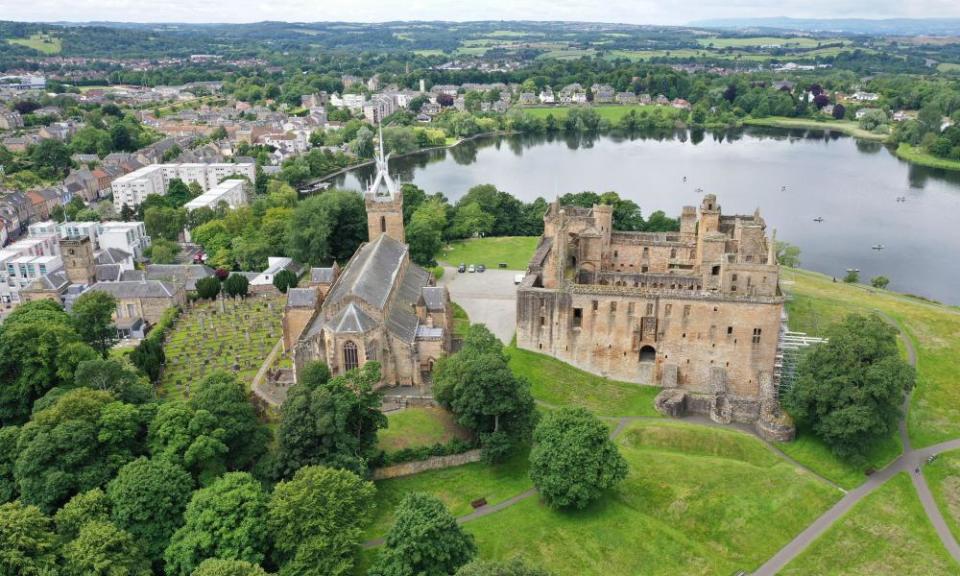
(891, 26)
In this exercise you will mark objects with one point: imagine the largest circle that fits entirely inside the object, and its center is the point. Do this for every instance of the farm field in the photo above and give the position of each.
(40, 43)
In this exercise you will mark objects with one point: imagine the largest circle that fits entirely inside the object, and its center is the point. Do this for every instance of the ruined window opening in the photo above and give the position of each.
(543, 321)
(668, 309)
(715, 271)
(596, 305)
(648, 354)
(749, 283)
(643, 269)
(749, 257)
(350, 358)
(686, 311)
(733, 288)
(383, 223)
(577, 317)
(649, 309)
(613, 307)
(733, 278)
(729, 330)
(630, 308)
(673, 252)
(646, 251)
(615, 254)
(756, 335)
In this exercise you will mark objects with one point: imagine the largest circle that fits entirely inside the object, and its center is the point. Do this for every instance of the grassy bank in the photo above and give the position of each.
(848, 127)
(515, 251)
(917, 155)
(610, 112)
(943, 476)
(419, 426)
(886, 533)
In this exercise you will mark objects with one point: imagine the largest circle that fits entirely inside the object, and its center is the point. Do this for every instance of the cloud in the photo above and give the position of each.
(626, 11)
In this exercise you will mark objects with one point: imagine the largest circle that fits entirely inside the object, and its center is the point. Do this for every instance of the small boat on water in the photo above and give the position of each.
(878, 246)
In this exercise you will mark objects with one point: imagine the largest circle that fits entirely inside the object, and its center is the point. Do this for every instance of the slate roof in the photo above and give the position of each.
(183, 274)
(112, 256)
(351, 320)
(402, 321)
(371, 272)
(434, 298)
(428, 332)
(109, 273)
(321, 275)
(145, 289)
(134, 275)
(53, 281)
(301, 298)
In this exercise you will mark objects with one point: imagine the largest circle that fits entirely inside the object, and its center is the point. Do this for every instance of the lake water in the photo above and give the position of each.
(852, 185)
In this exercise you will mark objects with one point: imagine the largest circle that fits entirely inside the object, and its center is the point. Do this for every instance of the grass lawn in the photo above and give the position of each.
(815, 455)
(948, 67)
(758, 41)
(933, 328)
(516, 251)
(848, 127)
(461, 321)
(697, 500)
(943, 477)
(456, 487)
(917, 155)
(610, 112)
(887, 533)
(40, 42)
(204, 340)
(556, 382)
(419, 426)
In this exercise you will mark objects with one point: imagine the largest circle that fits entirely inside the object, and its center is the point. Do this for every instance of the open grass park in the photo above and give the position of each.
(40, 42)
(237, 338)
(419, 426)
(515, 251)
(849, 127)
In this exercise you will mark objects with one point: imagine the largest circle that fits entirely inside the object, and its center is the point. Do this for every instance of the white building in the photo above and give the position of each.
(79, 229)
(42, 229)
(378, 108)
(131, 237)
(232, 191)
(133, 188)
(23, 262)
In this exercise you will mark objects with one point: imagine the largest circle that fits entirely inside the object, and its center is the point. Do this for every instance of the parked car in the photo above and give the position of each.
(462, 268)
(481, 268)
(518, 278)
(471, 269)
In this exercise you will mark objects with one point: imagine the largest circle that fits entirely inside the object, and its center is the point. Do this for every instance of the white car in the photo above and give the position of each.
(517, 279)
(471, 268)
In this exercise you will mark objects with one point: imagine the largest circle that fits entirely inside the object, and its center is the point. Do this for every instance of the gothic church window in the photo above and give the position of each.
(350, 358)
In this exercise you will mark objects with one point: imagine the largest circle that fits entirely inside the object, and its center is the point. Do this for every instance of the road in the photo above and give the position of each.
(489, 298)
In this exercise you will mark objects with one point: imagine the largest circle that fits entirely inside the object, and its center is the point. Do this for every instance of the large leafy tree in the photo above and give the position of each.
(225, 520)
(236, 285)
(148, 498)
(333, 422)
(9, 435)
(477, 385)
(191, 438)
(327, 227)
(424, 540)
(28, 546)
(225, 398)
(317, 520)
(849, 390)
(102, 549)
(75, 445)
(38, 348)
(573, 460)
(424, 234)
(92, 315)
(89, 506)
(115, 377)
(220, 567)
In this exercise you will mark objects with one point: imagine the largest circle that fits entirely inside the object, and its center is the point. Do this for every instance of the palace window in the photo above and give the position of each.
(577, 317)
(383, 223)
(668, 309)
(646, 251)
(686, 311)
(729, 330)
(649, 309)
(673, 252)
(596, 305)
(733, 278)
(613, 307)
(350, 358)
(630, 308)
(715, 271)
(756, 335)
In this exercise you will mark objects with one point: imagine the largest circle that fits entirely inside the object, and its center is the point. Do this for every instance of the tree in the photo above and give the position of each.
(872, 119)
(470, 220)
(284, 280)
(163, 251)
(124, 383)
(208, 288)
(821, 100)
(9, 435)
(148, 498)
(849, 390)
(424, 540)
(237, 285)
(75, 445)
(178, 193)
(839, 111)
(327, 227)
(477, 385)
(573, 459)
(92, 315)
(852, 276)
(39, 350)
(225, 520)
(27, 542)
(880, 282)
(51, 158)
(424, 234)
(514, 567)
(226, 399)
(218, 567)
(190, 438)
(85, 507)
(164, 222)
(332, 422)
(317, 519)
(787, 254)
(102, 549)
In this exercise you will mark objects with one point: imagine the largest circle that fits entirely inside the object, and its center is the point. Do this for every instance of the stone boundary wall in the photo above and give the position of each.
(432, 463)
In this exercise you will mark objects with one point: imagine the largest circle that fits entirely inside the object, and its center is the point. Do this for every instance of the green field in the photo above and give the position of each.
(848, 127)
(810, 451)
(204, 339)
(758, 41)
(419, 426)
(461, 321)
(917, 155)
(948, 67)
(697, 500)
(40, 42)
(943, 477)
(885, 533)
(610, 112)
(431, 52)
(560, 384)
(514, 250)
(567, 54)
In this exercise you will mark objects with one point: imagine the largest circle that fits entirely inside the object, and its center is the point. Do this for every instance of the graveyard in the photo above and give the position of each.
(232, 335)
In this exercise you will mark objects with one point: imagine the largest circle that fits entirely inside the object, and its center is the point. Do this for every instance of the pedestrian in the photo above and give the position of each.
(917, 471)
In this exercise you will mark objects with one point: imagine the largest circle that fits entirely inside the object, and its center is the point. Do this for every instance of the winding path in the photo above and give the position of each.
(910, 461)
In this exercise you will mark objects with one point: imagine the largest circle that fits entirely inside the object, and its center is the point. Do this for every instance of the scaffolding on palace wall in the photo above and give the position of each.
(791, 347)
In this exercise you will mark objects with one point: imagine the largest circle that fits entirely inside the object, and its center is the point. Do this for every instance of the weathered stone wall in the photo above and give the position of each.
(294, 321)
(433, 463)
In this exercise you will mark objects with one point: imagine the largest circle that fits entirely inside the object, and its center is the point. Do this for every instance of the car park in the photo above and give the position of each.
(462, 268)
(471, 269)
(481, 268)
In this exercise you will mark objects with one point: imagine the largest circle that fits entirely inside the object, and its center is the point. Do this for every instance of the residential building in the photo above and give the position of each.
(131, 237)
(133, 188)
(378, 108)
(232, 192)
(144, 299)
(10, 121)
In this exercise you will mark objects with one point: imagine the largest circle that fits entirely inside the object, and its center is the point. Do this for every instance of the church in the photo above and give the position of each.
(379, 307)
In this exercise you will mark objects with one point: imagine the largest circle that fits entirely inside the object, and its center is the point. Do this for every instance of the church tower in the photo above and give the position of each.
(384, 201)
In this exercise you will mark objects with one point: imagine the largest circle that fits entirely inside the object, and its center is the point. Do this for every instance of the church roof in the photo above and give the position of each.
(321, 275)
(352, 320)
(402, 321)
(371, 273)
(434, 298)
(301, 298)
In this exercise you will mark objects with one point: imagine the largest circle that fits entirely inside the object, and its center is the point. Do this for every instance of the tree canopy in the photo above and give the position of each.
(92, 316)
(28, 546)
(327, 227)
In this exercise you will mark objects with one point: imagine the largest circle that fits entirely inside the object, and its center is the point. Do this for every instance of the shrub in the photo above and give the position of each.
(208, 288)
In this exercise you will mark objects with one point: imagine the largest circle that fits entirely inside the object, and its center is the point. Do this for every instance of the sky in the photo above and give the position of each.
(665, 12)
